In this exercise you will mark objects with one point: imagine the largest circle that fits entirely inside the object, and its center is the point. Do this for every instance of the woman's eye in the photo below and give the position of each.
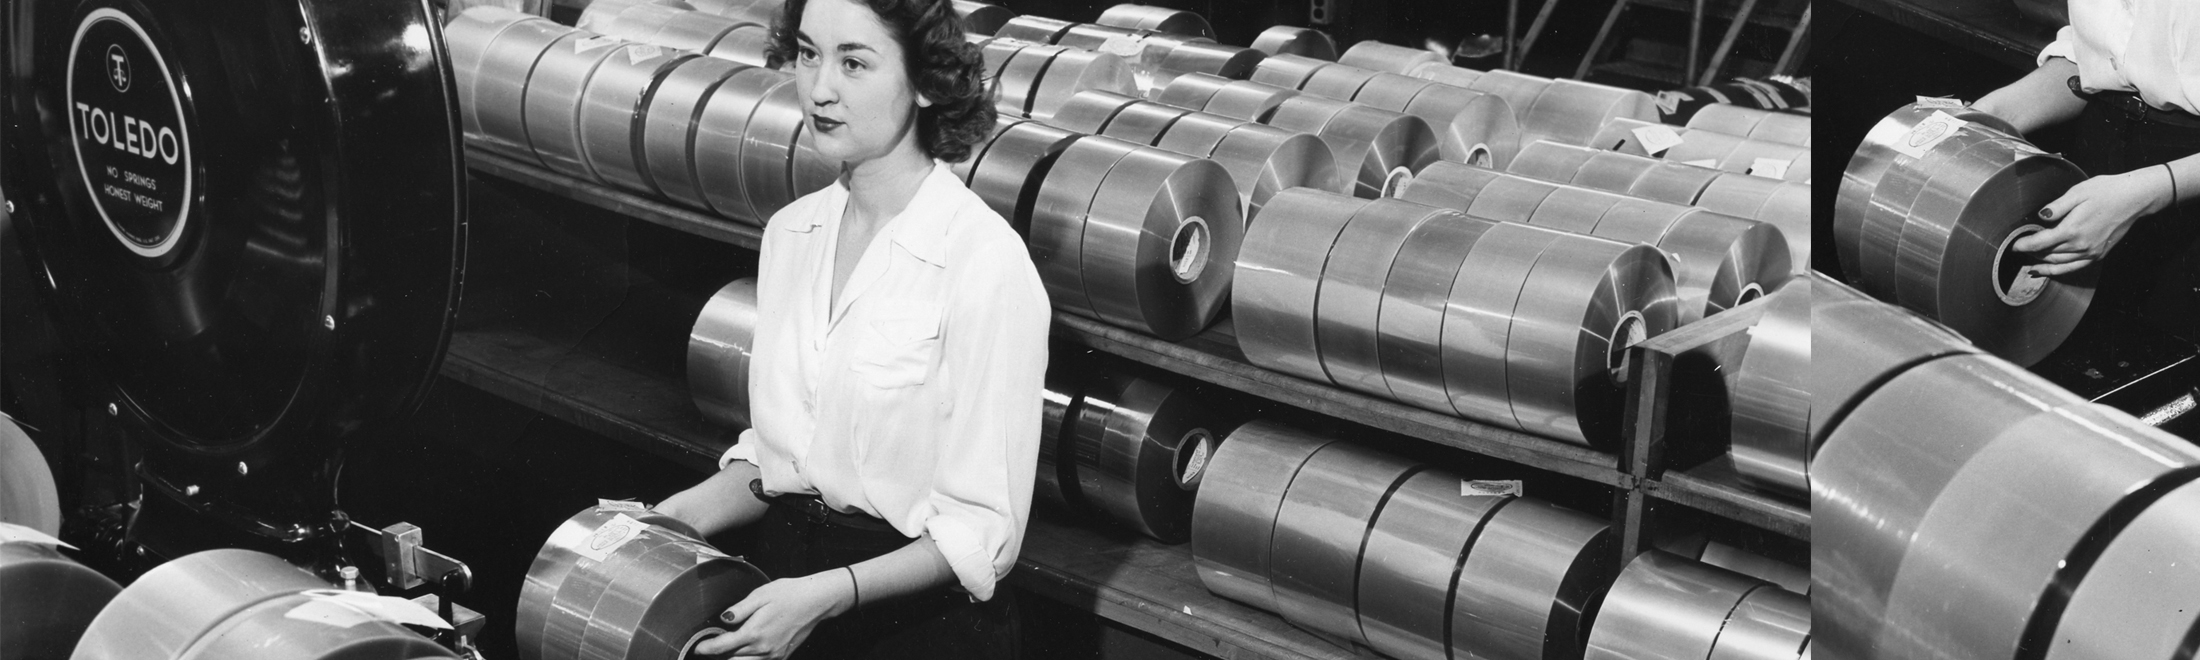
(806, 55)
(852, 64)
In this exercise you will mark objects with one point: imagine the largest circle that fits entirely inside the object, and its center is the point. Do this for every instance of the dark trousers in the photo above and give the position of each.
(941, 623)
(2153, 274)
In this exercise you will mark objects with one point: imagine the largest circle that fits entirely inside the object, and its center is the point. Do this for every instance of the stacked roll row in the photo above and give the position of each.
(243, 605)
(1472, 127)
(707, 132)
(1965, 508)
(1562, 110)
(1406, 558)
(1668, 607)
(1708, 148)
(1927, 215)
(1126, 445)
(1512, 324)
(1783, 204)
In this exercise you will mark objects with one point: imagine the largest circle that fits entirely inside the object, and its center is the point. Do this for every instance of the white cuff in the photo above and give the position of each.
(743, 449)
(2065, 46)
(960, 545)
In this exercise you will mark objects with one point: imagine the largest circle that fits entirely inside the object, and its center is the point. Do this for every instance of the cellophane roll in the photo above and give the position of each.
(1279, 277)
(1665, 606)
(28, 496)
(1857, 343)
(248, 605)
(1325, 518)
(1770, 404)
(1146, 444)
(1159, 242)
(1234, 517)
(620, 582)
(1530, 582)
(982, 18)
(719, 348)
(49, 598)
(1291, 40)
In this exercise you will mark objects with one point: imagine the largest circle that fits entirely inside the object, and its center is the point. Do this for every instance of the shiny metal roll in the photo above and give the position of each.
(1279, 275)
(1075, 71)
(1143, 123)
(1409, 560)
(1769, 624)
(1479, 317)
(1665, 607)
(1234, 519)
(50, 599)
(2141, 600)
(1572, 111)
(760, 12)
(1785, 575)
(1858, 342)
(977, 152)
(1770, 402)
(1874, 480)
(241, 604)
(719, 348)
(1573, 209)
(469, 35)
(1508, 198)
(1748, 155)
(1472, 127)
(1388, 91)
(602, 17)
(1232, 62)
(1055, 479)
(1747, 196)
(719, 137)
(1416, 294)
(767, 151)
(1033, 29)
(1955, 262)
(1621, 135)
(1873, 159)
(982, 18)
(28, 496)
(1155, 446)
(1292, 40)
(1247, 100)
(1450, 185)
(1379, 150)
(659, 25)
(1448, 74)
(1753, 123)
(1009, 176)
(1349, 301)
(694, 31)
(554, 99)
(1159, 19)
(1675, 182)
(614, 112)
(1196, 134)
(669, 125)
(1320, 529)
(1159, 242)
(2075, 468)
(1580, 308)
(1288, 71)
(1527, 585)
(1553, 161)
(1723, 261)
(1379, 56)
(1618, 172)
(1125, 42)
(996, 53)
(1190, 91)
(500, 90)
(1020, 78)
(1873, 240)
(747, 44)
(1058, 216)
(1519, 90)
(1090, 111)
(628, 584)
(1265, 160)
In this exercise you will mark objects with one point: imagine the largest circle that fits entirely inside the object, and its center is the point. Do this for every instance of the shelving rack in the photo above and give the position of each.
(1128, 580)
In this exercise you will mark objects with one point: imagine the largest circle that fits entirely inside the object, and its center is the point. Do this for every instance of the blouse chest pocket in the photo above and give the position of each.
(896, 345)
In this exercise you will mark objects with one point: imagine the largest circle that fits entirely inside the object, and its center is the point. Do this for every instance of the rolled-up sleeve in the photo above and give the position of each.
(2065, 46)
(996, 357)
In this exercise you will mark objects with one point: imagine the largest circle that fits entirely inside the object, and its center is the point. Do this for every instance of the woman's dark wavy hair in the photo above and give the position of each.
(942, 66)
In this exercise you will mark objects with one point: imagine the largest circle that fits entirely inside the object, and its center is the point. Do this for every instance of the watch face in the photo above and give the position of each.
(126, 124)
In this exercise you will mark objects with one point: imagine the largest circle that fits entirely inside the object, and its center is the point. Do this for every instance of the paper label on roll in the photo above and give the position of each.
(1490, 488)
(327, 606)
(13, 533)
(619, 505)
(1123, 45)
(1770, 168)
(608, 538)
(593, 43)
(640, 53)
(1669, 101)
(1928, 134)
(1938, 102)
(1656, 138)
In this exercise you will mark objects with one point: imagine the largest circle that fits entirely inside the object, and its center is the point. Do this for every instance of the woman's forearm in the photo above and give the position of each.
(913, 568)
(719, 503)
(2040, 99)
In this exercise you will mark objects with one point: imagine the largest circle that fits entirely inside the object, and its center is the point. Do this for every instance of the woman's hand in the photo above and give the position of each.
(776, 618)
(2095, 214)
(2040, 99)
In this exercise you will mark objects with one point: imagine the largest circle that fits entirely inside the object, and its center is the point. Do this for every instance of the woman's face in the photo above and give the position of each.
(851, 76)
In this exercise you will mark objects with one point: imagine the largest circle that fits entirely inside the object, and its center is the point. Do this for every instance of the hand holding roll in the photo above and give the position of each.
(2094, 216)
(778, 617)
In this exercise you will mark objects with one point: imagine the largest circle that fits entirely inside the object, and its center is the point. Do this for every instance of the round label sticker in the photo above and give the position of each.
(126, 125)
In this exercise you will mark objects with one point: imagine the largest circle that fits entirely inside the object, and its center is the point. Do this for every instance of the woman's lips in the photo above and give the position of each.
(824, 125)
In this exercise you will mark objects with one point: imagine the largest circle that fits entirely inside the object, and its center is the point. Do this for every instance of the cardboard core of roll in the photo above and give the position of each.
(1628, 332)
(1192, 454)
(1188, 251)
(2014, 281)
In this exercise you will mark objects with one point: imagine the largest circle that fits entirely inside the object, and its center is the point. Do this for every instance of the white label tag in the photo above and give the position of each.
(1488, 488)
(13, 533)
(1938, 102)
(1124, 46)
(642, 53)
(1656, 138)
(595, 42)
(1928, 134)
(1702, 162)
(1770, 168)
(619, 505)
(385, 608)
(607, 539)
(1669, 101)
(328, 613)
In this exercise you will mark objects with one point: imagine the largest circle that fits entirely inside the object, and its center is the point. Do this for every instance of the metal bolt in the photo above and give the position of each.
(140, 550)
(191, 490)
(328, 322)
(11, 207)
(305, 36)
(241, 469)
(113, 410)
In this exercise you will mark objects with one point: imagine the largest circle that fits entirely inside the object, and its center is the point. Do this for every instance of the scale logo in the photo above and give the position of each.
(118, 68)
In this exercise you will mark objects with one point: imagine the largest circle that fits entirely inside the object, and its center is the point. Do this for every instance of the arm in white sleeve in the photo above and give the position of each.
(996, 357)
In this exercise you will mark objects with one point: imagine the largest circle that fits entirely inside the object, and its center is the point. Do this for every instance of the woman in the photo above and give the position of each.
(899, 355)
(2128, 72)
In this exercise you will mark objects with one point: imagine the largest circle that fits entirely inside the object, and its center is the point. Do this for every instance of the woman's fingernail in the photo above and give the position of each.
(2047, 214)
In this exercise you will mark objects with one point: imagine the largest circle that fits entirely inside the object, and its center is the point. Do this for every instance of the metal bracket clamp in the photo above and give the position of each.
(406, 563)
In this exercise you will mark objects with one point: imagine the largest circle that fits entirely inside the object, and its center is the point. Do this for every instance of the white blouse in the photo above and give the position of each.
(916, 398)
(2151, 47)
